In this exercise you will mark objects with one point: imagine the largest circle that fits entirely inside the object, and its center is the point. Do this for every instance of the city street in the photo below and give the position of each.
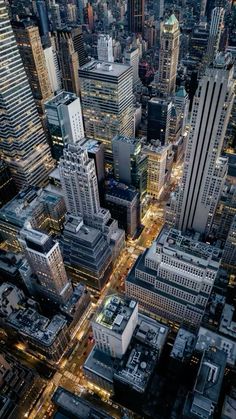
(70, 373)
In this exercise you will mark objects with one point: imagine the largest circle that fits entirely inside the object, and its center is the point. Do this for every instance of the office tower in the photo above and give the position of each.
(43, 22)
(158, 121)
(169, 55)
(105, 48)
(216, 29)
(89, 19)
(31, 51)
(52, 68)
(225, 212)
(55, 15)
(45, 259)
(131, 57)
(135, 15)
(69, 62)
(198, 44)
(174, 277)
(44, 211)
(156, 169)
(203, 8)
(23, 144)
(158, 9)
(78, 42)
(129, 164)
(87, 253)
(204, 170)
(79, 182)
(181, 100)
(123, 203)
(65, 122)
(71, 13)
(114, 325)
(96, 153)
(7, 186)
(175, 125)
(229, 253)
(107, 100)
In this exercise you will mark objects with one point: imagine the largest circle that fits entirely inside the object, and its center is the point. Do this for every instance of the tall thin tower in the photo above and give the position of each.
(135, 9)
(22, 141)
(169, 55)
(204, 170)
(216, 29)
(79, 182)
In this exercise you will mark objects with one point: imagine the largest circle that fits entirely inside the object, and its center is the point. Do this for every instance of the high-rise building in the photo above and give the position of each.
(169, 55)
(31, 51)
(135, 9)
(181, 100)
(129, 164)
(114, 325)
(158, 9)
(65, 122)
(158, 121)
(7, 186)
(107, 100)
(216, 29)
(55, 15)
(23, 144)
(198, 44)
(53, 68)
(203, 8)
(174, 277)
(73, 35)
(105, 48)
(87, 254)
(204, 170)
(156, 169)
(69, 61)
(45, 259)
(79, 182)
(123, 203)
(131, 56)
(229, 253)
(43, 22)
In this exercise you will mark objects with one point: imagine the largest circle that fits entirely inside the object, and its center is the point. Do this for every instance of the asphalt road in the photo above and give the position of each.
(70, 374)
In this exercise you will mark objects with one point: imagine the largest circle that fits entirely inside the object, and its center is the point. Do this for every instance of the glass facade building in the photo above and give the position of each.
(23, 143)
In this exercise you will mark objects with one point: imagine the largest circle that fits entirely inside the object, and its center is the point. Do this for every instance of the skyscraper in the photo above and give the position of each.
(135, 10)
(129, 163)
(131, 56)
(79, 182)
(158, 121)
(156, 169)
(23, 144)
(45, 259)
(105, 48)
(107, 100)
(169, 55)
(53, 68)
(216, 28)
(31, 51)
(204, 170)
(65, 122)
(69, 61)
(158, 9)
(43, 21)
